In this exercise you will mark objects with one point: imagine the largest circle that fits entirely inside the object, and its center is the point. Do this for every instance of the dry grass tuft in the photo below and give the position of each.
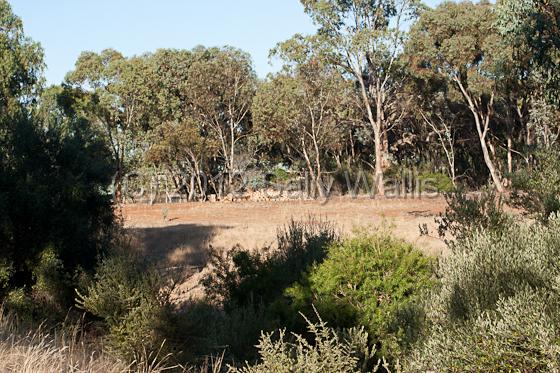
(68, 349)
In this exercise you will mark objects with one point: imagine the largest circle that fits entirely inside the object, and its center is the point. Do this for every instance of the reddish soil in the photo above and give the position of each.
(179, 235)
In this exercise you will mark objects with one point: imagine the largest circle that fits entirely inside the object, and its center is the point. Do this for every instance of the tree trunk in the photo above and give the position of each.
(378, 145)
(509, 155)
(379, 183)
(493, 173)
(482, 122)
(190, 198)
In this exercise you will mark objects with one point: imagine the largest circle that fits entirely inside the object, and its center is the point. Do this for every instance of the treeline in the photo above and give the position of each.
(464, 92)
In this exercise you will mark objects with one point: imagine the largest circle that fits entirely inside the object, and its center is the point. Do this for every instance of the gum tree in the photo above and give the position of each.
(21, 63)
(305, 110)
(459, 42)
(221, 87)
(364, 38)
(119, 100)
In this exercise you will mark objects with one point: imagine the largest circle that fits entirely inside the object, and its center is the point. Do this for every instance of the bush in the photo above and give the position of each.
(51, 294)
(497, 306)
(517, 336)
(371, 281)
(435, 182)
(279, 175)
(133, 300)
(466, 214)
(241, 277)
(249, 286)
(538, 191)
(55, 214)
(328, 352)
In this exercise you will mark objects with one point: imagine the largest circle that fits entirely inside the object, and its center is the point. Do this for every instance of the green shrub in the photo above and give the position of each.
(6, 272)
(435, 182)
(249, 286)
(496, 308)
(54, 178)
(51, 293)
(371, 281)
(242, 277)
(210, 330)
(279, 175)
(537, 191)
(518, 336)
(465, 214)
(329, 351)
(133, 300)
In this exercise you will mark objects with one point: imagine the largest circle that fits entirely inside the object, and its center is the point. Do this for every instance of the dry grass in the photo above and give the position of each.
(69, 350)
(40, 351)
(182, 239)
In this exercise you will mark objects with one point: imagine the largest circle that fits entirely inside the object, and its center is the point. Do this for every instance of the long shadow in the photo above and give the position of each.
(183, 245)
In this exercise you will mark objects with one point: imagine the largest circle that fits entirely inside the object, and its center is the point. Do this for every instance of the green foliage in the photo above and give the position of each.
(243, 277)
(249, 285)
(22, 64)
(497, 306)
(466, 213)
(371, 281)
(21, 304)
(328, 351)
(54, 197)
(517, 335)
(304, 111)
(118, 101)
(55, 214)
(435, 181)
(6, 272)
(537, 191)
(279, 175)
(531, 26)
(133, 300)
(458, 41)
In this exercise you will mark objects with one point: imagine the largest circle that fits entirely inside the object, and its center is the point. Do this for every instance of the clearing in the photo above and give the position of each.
(180, 235)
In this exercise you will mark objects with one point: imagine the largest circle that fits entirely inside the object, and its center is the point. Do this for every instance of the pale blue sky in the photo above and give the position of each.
(67, 27)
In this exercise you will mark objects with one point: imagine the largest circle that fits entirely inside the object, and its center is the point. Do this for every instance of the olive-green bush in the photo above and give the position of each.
(249, 285)
(466, 214)
(537, 190)
(372, 280)
(435, 182)
(328, 351)
(133, 300)
(496, 308)
(242, 277)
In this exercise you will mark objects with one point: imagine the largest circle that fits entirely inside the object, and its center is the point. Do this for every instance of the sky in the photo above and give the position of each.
(65, 28)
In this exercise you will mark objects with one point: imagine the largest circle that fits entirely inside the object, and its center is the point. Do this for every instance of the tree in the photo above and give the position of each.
(175, 139)
(120, 100)
(364, 39)
(460, 42)
(55, 212)
(221, 86)
(169, 85)
(444, 131)
(21, 61)
(305, 110)
(533, 27)
(180, 147)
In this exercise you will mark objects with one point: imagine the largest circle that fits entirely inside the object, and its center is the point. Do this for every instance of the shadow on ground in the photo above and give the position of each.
(183, 245)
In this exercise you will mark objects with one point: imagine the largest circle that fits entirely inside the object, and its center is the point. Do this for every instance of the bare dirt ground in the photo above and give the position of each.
(180, 235)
